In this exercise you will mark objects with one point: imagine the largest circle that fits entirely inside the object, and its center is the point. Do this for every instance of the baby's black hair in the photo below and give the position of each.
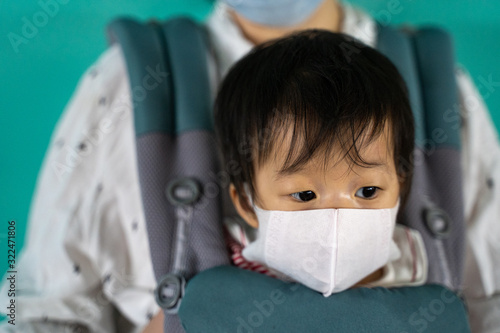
(328, 88)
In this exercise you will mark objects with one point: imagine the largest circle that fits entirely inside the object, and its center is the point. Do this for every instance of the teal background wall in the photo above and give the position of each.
(38, 77)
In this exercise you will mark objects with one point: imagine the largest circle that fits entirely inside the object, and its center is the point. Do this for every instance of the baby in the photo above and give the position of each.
(316, 134)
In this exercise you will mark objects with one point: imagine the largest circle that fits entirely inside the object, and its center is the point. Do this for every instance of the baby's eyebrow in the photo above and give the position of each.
(375, 164)
(365, 164)
(287, 172)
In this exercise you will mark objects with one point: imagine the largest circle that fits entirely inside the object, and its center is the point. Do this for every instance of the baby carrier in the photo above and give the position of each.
(181, 193)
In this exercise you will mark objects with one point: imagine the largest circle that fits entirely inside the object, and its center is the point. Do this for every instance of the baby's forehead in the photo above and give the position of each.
(369, 153)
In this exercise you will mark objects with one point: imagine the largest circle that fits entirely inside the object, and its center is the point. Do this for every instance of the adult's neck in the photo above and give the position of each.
(327, 16)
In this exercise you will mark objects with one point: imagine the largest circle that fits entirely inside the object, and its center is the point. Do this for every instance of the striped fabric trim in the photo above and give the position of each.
(235, 248)
(413, 255)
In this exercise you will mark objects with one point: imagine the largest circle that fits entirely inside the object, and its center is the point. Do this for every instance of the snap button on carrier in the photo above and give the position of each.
(183, 191)
(169, 292)
(437, 221)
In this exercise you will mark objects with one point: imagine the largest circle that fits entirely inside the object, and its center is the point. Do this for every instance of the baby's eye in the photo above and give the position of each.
(367, 192)
(304, 195)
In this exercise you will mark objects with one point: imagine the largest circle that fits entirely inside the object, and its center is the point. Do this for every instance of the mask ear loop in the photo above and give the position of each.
(255, 208)
(395, 209)
(394, 251)
(246, 188)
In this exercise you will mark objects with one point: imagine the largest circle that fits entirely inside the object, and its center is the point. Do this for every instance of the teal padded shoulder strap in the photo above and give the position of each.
(148, 67)
(193, 109)
(436, 65)
(176, 152)
(434, 207)
(170, 92)
(399, 49)
(252, 302)
(425, 59)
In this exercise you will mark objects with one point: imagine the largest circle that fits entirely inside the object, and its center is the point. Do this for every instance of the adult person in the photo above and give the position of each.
(86, 263)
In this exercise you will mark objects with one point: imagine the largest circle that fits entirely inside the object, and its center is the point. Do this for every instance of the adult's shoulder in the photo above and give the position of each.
(100, 107)
(109, 66)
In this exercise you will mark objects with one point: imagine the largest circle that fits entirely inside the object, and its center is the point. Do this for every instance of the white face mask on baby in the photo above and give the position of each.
(328, 250)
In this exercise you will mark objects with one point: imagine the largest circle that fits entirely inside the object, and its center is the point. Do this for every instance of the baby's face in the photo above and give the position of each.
(338, 185)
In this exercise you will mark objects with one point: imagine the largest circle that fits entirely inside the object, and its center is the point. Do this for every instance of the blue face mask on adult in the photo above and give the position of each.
(277, 13)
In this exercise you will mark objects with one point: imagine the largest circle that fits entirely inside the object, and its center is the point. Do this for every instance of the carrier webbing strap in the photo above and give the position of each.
(434, 206)
(176, 152)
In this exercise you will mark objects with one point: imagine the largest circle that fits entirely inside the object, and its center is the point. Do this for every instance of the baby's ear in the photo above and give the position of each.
(243, 207)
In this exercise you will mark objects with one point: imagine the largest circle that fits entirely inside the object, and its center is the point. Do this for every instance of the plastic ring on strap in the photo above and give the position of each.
(183, 191)
(169, 292)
